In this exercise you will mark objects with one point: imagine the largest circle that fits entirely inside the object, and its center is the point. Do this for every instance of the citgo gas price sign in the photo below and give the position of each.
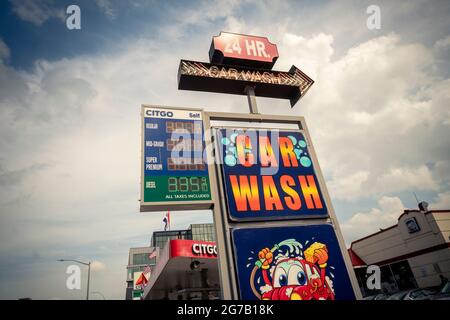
(173, 170)
(269, 175)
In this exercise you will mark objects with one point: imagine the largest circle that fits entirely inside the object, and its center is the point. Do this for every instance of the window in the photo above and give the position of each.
(203, 232)
(403, 275)
(142, 258)
(412, 225)
(160, 238)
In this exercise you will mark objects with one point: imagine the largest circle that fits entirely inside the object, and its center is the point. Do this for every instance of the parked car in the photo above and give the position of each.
(398, 295)
(444, 294)
(381, 296)
(421, 294)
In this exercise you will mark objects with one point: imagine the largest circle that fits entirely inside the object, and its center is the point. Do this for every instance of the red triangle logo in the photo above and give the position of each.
(141, 280)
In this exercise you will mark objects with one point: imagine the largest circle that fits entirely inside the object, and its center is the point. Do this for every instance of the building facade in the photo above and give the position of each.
(186, 270)
(199, 231)
(203, 232)
(138, 260)
(175, 266)
(414, 253)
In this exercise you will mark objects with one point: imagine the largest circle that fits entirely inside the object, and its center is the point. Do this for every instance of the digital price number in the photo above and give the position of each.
(184, 144)
(187, 184)
(179, 142)
(185, 164)
(180, 126)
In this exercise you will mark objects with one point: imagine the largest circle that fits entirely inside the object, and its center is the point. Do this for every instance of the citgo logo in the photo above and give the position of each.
(202, 249)
(159, 113)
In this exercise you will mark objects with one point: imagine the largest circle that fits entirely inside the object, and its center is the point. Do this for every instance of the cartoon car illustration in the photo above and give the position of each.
(297, 277)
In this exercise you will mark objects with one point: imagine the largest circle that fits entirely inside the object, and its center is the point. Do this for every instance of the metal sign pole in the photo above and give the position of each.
(251, 97)
(228, 289)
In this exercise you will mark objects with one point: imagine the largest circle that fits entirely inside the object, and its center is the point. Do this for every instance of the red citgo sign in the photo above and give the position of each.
(245, 49)
(193, 249)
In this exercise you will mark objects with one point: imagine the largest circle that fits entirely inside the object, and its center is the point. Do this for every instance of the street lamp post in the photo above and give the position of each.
(89, 278)
(89, 271)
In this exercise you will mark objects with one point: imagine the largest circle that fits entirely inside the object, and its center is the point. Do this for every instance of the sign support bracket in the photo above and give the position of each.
(251, 97)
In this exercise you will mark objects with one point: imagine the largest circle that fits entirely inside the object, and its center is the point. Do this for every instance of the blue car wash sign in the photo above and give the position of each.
(268, 175)
(290, 263)
(173, 170)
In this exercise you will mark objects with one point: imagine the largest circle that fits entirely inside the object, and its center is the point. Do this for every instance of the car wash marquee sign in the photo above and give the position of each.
(255, 174)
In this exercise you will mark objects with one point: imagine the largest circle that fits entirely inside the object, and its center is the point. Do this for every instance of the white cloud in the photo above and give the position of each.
(313, 53)
(206, 11)
(107, 8)
(442, 202)
(348, 187)
(37, 11)
(97, 266)
(364, 223)
(442, 44)
(377, 114)
(401, 179)
(363, 184)
(440, 172)
(4, 51)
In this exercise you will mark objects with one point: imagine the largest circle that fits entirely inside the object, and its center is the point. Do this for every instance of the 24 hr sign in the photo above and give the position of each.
(268, 175)
(243, 50)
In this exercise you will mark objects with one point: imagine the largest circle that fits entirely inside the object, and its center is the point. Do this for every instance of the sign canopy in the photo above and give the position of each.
(243, 50)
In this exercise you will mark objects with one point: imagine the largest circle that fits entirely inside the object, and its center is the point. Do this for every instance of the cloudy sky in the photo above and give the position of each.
(379, 116)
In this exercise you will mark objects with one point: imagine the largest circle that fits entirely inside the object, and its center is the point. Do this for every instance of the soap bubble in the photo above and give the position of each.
(230, 161)
(294, 141)
(305, 161)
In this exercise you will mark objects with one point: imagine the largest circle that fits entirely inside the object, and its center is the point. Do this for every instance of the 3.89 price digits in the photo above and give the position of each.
(187, 184)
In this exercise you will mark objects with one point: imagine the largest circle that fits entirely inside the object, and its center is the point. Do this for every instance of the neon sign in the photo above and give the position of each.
(200, 76)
